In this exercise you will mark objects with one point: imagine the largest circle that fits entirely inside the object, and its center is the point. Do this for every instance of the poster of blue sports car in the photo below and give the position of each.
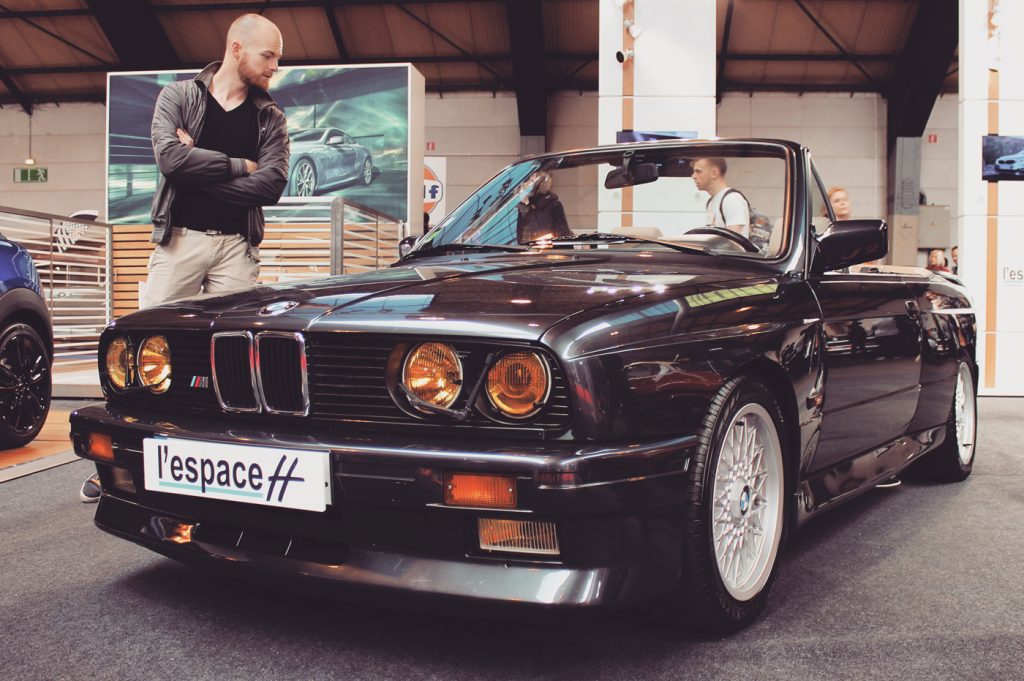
(349, 128)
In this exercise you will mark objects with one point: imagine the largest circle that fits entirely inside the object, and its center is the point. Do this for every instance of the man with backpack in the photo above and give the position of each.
(727, 208)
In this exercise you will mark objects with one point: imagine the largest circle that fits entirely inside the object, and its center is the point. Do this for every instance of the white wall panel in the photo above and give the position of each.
(68, 141)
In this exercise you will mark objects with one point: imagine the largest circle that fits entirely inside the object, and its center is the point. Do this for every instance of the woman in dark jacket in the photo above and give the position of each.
(541, 214)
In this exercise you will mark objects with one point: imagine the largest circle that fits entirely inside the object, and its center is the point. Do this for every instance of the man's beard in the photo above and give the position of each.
(251, 76)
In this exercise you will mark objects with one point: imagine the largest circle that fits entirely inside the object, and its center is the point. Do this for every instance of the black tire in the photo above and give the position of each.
(25, 385)
(367, 173)
(708, 604)
(953, 460)
(300, 183)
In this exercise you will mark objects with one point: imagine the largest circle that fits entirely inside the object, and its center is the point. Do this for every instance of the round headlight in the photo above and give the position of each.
(155, 364)
(433, 373)
(517, 384)
(119, 363)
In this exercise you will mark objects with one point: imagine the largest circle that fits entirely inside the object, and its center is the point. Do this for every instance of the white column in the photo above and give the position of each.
(667, 86)
(991, 220)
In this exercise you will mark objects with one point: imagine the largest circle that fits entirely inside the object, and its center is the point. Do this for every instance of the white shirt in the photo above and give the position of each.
(735, 209)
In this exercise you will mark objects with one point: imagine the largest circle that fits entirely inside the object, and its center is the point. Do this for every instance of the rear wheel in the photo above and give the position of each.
(25, 385)
(736, 521)
(953, 461)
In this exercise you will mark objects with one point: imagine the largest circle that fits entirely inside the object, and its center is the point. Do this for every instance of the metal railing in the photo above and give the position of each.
(74, 263)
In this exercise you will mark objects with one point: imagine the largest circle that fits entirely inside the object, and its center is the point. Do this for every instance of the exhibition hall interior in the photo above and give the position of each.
(502, 339)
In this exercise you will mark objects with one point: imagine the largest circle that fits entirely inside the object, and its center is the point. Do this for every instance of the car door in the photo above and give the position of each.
(353, 157)
(872, 357)
(336, 166)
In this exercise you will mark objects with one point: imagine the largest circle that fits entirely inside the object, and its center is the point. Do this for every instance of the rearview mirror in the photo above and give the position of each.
(850, 242)
(633, 174)
(676, 167)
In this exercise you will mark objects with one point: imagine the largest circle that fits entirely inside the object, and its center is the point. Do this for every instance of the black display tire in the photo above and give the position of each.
(707, 605)
(25, 385)
(953, 460)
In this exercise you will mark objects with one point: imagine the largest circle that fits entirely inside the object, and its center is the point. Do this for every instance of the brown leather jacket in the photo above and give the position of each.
(182, 104)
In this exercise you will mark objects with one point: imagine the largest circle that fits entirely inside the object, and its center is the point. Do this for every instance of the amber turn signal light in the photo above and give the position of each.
(100, 446)
(483, 491)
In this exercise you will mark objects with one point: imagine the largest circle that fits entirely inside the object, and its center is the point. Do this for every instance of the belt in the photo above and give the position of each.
(208, 232)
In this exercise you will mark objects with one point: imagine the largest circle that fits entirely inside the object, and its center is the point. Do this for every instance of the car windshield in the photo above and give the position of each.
(722, 199)
(308, 135)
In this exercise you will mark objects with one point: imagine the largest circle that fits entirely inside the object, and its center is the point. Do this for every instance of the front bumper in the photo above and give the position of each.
(618, 513)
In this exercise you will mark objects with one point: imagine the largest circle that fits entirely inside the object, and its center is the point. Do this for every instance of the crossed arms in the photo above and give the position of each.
(234, 180)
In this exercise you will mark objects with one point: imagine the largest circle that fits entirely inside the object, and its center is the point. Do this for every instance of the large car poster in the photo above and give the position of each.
(350, 137)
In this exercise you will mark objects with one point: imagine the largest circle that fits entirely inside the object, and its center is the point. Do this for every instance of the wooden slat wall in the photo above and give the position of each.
(289, 252)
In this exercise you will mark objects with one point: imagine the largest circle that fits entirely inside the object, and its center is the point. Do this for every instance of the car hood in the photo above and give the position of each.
(514, 296)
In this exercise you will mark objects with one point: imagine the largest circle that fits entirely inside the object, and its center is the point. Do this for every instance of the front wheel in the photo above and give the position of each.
(736, 521)
(304, 178)
(367, 173)
(25, 385)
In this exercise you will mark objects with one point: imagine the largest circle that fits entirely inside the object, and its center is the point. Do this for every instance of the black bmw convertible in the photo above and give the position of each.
(640, 408)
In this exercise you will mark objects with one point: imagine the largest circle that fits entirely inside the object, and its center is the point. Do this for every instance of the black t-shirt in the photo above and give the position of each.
(235, 133)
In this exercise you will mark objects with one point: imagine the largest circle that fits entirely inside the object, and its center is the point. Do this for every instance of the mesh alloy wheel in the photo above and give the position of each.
(25, 385)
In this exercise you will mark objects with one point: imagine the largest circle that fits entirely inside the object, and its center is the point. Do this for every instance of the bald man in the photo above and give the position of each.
(221, 144)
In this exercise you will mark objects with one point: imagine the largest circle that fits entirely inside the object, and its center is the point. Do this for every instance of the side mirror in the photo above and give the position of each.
(627, 176)
(850, 242)
(336, 139)
(406, 245)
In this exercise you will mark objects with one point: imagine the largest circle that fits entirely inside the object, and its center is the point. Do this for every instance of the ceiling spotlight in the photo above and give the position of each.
(623, 56)
(634, 28)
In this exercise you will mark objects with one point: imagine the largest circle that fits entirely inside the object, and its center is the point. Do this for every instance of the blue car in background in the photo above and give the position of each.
(26, 348)
(325, 158)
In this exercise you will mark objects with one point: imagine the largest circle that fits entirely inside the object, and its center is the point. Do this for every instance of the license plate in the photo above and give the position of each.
(268, 476)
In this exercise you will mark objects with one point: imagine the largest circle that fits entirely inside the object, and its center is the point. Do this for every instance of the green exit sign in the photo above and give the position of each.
(30, 174)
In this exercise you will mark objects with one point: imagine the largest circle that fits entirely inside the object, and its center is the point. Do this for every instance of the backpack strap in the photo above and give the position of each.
(721, 204)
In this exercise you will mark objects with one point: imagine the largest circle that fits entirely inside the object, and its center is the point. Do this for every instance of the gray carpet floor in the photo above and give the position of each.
(918, 582)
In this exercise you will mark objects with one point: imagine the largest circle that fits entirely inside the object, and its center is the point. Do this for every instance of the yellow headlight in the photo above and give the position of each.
(433, 373)
(518, 384)
(155, 364)
(119, 363)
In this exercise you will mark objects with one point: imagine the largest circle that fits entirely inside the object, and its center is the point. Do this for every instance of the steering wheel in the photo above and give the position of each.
(745, 243)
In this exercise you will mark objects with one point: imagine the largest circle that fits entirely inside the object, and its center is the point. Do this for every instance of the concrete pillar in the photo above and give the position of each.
(659, 76)
(991, 219)
(904, 183)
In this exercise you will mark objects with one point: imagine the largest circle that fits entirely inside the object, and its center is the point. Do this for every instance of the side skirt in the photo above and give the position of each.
(836, 484)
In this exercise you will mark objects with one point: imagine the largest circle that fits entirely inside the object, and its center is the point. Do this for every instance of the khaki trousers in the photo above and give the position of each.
(194, 263)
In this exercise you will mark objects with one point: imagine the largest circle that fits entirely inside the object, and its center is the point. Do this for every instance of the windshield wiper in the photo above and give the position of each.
(454, 247)
(609, 237)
